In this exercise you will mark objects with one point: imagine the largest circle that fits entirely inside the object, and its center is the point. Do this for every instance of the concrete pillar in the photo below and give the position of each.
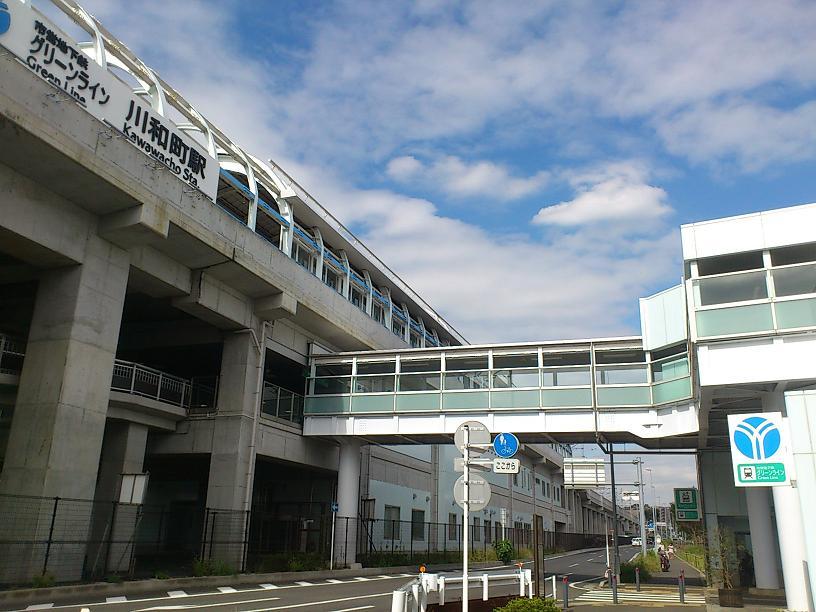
(801, 408)
(763, 542)
(232, 461)
(348, 501)
(113, 526)
(59, 418)
(789, 527)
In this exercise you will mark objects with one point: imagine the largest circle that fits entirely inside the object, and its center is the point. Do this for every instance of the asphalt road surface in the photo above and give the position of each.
(370, 593)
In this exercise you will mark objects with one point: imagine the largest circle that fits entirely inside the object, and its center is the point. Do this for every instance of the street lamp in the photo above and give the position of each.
(639, 463)
(654, 499)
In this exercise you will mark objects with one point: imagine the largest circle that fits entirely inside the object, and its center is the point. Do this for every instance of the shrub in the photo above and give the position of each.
(647, 566)
(212, 567)
(504, 550)
(161, 575)
(487, 554)
(113, 578)
(43, 582)
(290, 562)
(537, 604)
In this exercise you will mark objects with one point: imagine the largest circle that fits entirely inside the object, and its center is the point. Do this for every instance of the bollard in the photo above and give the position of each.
(398, 601)
(613, 581)
(637, 579)
(484, 587)
(528, 576)
(553, 591)
(441, 587)
(681, 583)
(521, 582)
(566, 592)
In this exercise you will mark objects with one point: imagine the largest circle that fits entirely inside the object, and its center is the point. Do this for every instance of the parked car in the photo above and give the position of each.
(636, 541)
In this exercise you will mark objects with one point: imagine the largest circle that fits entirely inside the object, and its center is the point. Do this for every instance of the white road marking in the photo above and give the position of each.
(384, 576)
(317, 603)
(116, 599)
(405, 576)
(227, 590)
(351, 609)
(212, 605)
(644, 596)
(573, 565)
(304, 583)
(44, 606)
(176, 593)
(361, 578)
(334, 581)
(266, 585)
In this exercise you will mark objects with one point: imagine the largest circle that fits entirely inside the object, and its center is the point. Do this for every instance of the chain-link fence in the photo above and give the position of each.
(73, 540)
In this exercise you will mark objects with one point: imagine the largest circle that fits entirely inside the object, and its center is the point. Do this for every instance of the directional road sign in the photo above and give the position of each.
(506, 445)
(479, 492)
(687, 504)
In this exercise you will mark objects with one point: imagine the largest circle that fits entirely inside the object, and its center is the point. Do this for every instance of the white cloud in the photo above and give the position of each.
(452, 175)
(616, 193)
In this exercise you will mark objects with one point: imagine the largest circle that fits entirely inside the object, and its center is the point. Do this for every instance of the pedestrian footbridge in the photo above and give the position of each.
(564, 391)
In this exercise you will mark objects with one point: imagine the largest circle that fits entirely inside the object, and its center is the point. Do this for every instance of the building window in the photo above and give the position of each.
(487, 531)
(515, 480)
(452, 534)
(378, 313)
(417, 524)
(331, 278)
(304, 256)
(397, 327)
(392, 523)
(497, 531)
(477, 531)
(358, 298)
(547, 494)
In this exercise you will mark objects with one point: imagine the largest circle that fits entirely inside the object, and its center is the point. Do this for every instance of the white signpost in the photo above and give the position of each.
(581, 473)
(760, 449)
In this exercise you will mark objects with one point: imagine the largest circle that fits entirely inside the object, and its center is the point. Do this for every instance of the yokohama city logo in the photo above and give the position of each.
(5, 18)
(757, 438)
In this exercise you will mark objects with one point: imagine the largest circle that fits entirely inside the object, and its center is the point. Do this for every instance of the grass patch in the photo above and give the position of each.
(537, 604)
(212, 567)
(648, 566)
(43, 581)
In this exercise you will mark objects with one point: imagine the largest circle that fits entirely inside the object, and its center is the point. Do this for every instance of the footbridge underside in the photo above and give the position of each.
(572, 391)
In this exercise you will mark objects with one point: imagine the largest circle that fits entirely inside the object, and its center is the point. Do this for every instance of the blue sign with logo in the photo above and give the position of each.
(335, 507)
(506, 445)
(5, 18)
(757, 438)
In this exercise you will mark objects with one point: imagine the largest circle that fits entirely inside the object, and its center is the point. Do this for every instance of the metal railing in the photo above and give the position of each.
(196, 394)
(282, 403)
(12, 352)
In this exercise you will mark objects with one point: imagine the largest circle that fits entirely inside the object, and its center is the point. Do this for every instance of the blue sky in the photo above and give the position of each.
(524, 166)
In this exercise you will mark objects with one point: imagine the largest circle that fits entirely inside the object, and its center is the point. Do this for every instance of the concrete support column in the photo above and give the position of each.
(59, 418)
(348, 501)
(763, 542)
(232, 461)
(789, 527)
(114, 525)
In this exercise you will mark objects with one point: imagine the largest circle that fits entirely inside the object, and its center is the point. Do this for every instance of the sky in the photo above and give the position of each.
(524, 166)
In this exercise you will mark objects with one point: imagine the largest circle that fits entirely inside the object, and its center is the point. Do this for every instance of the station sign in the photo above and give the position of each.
(687, 504)
(760, 449)
(58, 60)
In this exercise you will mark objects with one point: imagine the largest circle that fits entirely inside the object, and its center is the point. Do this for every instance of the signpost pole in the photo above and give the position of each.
(616, 553)
(334, 521)
(465, 519)
(642, 509)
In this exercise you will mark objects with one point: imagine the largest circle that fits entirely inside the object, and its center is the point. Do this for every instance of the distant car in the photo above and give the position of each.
(636, 541)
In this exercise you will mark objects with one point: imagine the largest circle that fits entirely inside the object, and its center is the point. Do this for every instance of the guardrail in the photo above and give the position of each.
(413, 597)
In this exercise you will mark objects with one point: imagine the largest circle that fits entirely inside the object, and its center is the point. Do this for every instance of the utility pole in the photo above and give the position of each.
(654, 501)
(615, 552)
(639, 462)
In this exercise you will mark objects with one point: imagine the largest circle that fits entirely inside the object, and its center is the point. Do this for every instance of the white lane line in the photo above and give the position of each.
(44, 606)
(573, 565)
(212, 605)
(116, 599)
(405, 576)
(362, 578)
(227, 589)
(318, 603)
(176, 594)
(267, 585)
(351, 609)
(334, 581)
(304, 583)
(384, 576)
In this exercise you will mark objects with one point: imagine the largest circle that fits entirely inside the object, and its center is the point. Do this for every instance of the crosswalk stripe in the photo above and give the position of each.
(177, 593)
(361, 578)
(44, 606)
(334, 581)
(227, 589)
(304, 583)
(267, 585)
(606, 596)
(383, 576)
(116, 599)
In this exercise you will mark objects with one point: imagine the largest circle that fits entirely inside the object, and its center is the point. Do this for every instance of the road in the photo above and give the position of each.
(332, 595)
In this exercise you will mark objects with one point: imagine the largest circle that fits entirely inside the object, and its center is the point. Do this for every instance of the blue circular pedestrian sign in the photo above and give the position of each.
(506, 445)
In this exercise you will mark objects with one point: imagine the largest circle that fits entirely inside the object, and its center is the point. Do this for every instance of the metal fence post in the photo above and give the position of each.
(566, 592)
(204, 533)
(637, 579)
(110, 536)
(50, 535)
(345, 550)
(245, 556)
(681, 583)
(212, 533)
